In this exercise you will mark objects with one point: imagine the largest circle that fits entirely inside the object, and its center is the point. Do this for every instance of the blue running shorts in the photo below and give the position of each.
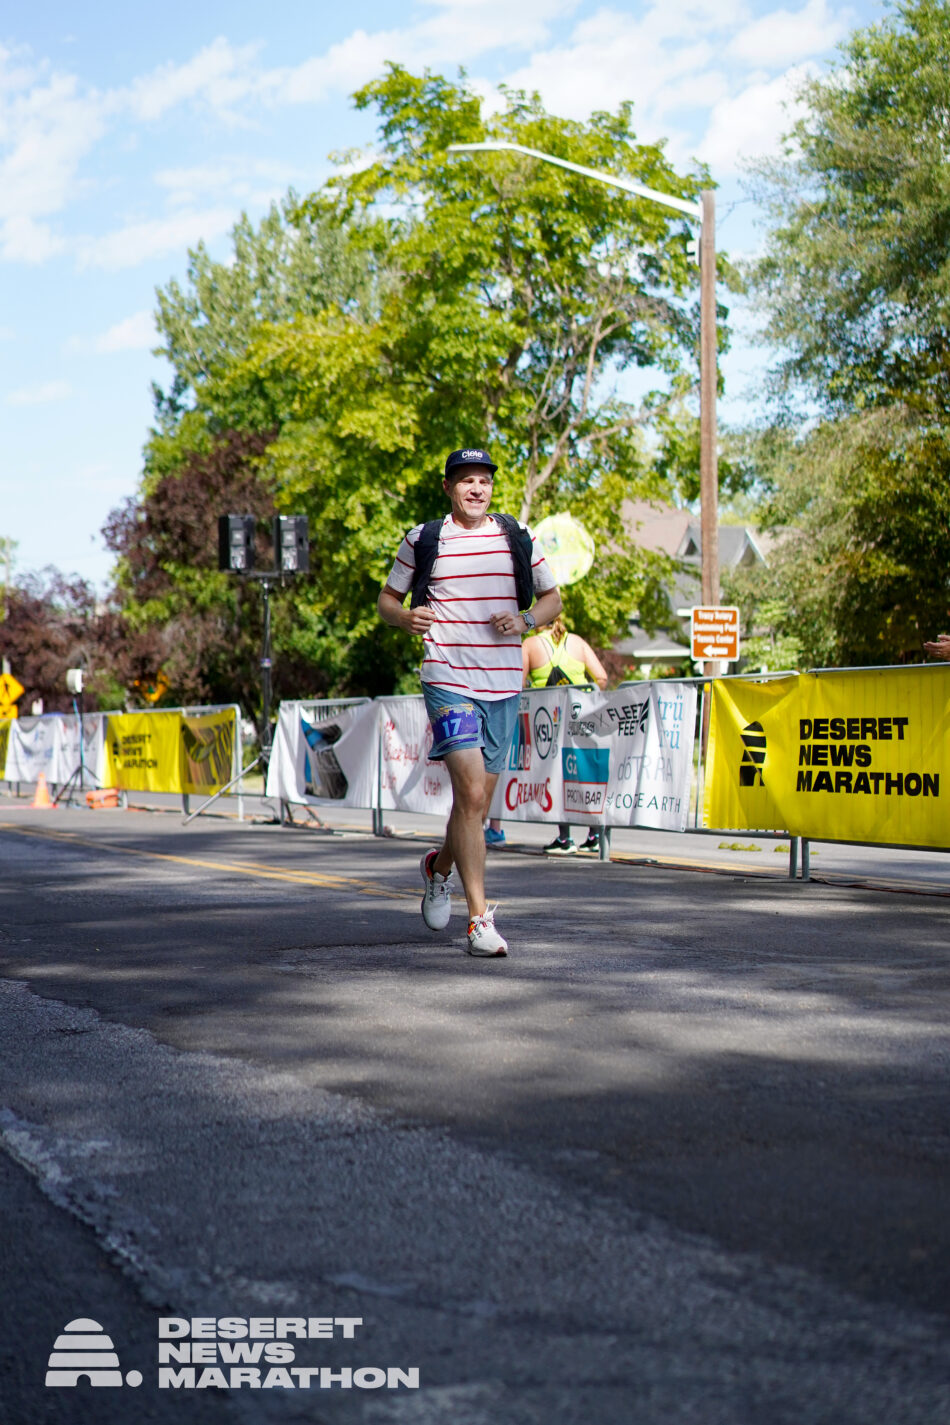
(459, 721)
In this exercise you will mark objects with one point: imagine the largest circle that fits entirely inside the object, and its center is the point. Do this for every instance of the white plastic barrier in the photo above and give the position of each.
(50, 744)
(608, 759)
(325, 753)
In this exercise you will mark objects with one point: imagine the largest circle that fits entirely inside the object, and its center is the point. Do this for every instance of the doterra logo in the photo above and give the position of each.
(753, 756)
(84, 1350)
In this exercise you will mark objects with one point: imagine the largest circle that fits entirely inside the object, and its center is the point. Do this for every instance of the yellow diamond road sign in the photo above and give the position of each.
(10, 689)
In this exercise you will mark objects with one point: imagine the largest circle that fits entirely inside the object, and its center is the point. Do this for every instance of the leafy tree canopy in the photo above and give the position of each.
(856, 276)
(855, 282)
(427, 301)
(53, 623)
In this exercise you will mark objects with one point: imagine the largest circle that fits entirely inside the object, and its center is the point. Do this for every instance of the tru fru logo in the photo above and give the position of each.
(85, 1351)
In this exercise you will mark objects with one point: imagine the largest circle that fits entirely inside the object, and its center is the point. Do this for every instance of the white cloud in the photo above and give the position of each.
(459, 31)
(23, 240)
(139, 242)
(238, 178)
(676, 59)
(45, 131)
(40, 395)
(218, 75)
(135, 333)
(751, 122)
(784, 37)
(682, 62)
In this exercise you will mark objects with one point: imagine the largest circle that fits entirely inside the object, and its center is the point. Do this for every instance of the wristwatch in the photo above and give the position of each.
(530, 621)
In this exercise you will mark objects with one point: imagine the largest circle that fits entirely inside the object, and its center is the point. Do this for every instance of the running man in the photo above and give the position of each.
(474, 577)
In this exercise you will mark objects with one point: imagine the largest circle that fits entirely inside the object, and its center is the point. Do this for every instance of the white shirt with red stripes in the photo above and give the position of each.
(472, 578)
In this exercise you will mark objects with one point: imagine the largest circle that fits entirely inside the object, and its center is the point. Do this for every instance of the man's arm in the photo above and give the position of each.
(410, 620)
(939, 649)
(547, 606)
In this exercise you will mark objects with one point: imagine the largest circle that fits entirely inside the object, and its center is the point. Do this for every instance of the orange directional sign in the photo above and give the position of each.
(714, 634)
(10, 690)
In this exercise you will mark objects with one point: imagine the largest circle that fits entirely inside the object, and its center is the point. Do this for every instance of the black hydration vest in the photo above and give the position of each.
(426, 549)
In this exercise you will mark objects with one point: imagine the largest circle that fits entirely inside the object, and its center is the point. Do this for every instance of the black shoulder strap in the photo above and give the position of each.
(425, 551)
(519, 542)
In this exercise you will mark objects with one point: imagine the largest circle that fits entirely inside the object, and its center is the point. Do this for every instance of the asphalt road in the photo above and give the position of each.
(681, 1157)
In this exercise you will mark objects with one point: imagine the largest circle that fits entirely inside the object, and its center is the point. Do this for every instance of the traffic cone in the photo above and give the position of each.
(42, 797)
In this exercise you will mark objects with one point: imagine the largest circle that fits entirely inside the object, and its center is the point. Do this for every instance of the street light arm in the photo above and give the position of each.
(681, 205)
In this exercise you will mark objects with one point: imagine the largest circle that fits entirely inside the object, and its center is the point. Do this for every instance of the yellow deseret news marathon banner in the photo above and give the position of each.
(207, 750)
(843, 756)
(143, 752)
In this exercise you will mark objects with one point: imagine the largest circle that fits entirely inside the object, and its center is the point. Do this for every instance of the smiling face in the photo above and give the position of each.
(470, 489)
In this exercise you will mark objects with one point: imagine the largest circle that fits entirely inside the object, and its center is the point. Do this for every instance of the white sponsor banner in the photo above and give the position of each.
(66, 760)
(530, 786)
(324, 753)
(32, 748)
(618, 759)
(628, 756)
(408, 780)
(50, 744)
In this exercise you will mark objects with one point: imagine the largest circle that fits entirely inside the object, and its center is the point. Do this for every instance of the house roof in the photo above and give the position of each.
(678, 532)
(646, 648)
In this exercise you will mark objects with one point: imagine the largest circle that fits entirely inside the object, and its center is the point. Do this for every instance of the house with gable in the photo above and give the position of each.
(677, 533)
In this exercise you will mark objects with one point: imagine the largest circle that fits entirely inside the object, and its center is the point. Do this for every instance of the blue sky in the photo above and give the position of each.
(127, 134)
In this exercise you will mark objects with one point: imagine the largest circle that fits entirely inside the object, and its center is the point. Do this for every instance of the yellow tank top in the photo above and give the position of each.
(560, 667)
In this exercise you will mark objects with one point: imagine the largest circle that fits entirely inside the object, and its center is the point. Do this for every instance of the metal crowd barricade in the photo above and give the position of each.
(702, 722)
(799, 846)
(322, 710)
(237, 759)
(197, 710)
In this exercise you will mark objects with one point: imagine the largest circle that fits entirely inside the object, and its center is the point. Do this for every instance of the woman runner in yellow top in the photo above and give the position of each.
(552, 657)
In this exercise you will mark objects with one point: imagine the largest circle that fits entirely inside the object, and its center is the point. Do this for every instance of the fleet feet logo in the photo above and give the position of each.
(84, 1351)
(753, 756)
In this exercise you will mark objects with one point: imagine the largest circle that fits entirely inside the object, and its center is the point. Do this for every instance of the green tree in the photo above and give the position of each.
(855, 281)
(517, 297)
(490, 300)
(292, 264)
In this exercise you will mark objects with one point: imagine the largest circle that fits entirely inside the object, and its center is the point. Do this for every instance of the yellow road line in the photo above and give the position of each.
(248, 868)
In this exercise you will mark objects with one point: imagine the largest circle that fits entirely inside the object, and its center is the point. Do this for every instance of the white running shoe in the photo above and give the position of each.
(483, 938)
(437, 901)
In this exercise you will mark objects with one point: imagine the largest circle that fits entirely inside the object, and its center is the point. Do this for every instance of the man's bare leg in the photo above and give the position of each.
(464, 843)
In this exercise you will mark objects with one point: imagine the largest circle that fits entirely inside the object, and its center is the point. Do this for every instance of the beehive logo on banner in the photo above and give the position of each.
(85, 1352)
(753, 755)
(860, 755)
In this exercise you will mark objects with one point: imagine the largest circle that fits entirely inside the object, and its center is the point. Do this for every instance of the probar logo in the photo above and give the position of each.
(85, 1352)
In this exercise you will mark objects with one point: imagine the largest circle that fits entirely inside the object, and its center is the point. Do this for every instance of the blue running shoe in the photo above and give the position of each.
(493, 837)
